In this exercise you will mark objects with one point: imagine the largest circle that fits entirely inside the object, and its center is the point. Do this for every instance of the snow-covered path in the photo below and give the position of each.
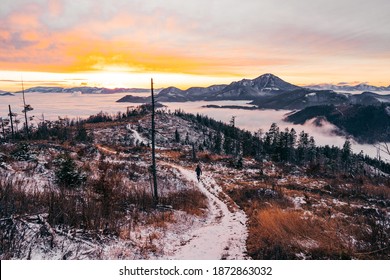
(222, 235)
(137, 137)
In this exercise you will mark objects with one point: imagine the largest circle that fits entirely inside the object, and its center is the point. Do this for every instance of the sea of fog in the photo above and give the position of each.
(54, 105)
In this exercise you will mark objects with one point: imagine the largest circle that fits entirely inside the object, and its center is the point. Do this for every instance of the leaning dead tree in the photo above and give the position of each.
(154, 169)
(383, 147)
(11, 115)
(26, 108)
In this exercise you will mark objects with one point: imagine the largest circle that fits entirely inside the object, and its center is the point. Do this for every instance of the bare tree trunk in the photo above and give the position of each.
(25, 112)
(384, 147)
(12, 123)
(154, 173)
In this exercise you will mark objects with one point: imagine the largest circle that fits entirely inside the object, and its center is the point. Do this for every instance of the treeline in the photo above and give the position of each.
(367, 124)
(285, 146)
(63, 129)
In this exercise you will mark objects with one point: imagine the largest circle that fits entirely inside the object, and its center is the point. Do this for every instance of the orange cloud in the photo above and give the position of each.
(64, 37)
(55, 7)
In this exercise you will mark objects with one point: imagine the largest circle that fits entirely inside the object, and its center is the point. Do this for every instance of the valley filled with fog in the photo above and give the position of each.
(51, 106)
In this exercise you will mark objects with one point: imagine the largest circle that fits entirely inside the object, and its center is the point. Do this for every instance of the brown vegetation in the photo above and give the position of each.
(299, 217)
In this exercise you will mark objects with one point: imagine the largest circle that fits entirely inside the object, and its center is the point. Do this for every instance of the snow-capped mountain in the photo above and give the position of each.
(173, 94)
(346, 87)
(270, 92)
(302, 98)
(246, 89)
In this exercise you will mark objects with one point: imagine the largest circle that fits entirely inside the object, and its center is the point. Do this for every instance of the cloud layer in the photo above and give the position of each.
(304, 41)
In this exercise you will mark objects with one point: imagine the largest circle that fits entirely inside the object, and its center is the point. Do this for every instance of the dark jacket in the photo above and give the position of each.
(198, 170)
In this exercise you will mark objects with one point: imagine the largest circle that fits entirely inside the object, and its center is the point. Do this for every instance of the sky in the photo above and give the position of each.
(123, 43)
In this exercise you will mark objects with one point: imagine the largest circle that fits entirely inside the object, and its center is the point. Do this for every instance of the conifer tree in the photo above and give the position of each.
(177, 136)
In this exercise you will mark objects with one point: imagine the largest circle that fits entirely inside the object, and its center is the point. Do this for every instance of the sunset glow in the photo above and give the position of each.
(192, 43)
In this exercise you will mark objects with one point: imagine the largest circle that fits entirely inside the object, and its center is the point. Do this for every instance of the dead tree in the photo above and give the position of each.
(154, 169)
(383, 147)
(12, 124)
(27, 108)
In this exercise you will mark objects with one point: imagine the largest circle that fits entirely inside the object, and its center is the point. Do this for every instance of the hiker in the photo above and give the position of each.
(198, 172)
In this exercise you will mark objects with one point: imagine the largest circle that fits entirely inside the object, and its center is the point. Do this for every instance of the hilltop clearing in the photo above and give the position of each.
(83, 191)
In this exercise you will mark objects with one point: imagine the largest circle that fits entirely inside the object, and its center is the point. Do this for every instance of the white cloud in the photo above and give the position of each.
(333, 35)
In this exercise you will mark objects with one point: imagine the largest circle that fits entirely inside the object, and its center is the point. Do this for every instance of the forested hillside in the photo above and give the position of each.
(366, 124)
(81, 189)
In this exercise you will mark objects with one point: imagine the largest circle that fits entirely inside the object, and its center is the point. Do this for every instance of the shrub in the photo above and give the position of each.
(23, 152)
(67, 173)
(82, 134)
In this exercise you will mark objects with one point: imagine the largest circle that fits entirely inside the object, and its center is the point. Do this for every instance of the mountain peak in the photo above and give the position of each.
(268, 75)
(245, 89)
(265, 84)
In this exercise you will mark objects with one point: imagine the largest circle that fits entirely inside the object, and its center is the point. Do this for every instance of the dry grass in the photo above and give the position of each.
(258, 197)
(191, 201)
(160, 219)
(283, 234)
(335, 217)
(171, 154)
(208, 158)
(114, 201)
(16, 199)
(380, 192)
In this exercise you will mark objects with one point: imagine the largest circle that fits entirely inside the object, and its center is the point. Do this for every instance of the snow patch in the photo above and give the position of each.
(222, 235)
(136, 136)
(298, 201)
(388, 110)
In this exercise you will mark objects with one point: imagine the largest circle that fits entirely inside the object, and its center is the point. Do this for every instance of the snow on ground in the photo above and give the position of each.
(298, 201)
(137, 137)
(222, 235)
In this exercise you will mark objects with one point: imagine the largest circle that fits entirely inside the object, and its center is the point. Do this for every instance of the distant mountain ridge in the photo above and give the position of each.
(302, 98)
(266, 92)
(84, 90)
(264, 85)
(346, 87)
(246, 89)
(5, 93)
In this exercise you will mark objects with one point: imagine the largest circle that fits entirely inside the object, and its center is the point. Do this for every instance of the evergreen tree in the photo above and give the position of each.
(303, 144)
(283, 147)
(272, 141)
(311, 149)
(292, 139)
(82, 135)
(346, 153)
(177, 136)
(291, 142)
(227, 146)
(217, 143)
(67, 174)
